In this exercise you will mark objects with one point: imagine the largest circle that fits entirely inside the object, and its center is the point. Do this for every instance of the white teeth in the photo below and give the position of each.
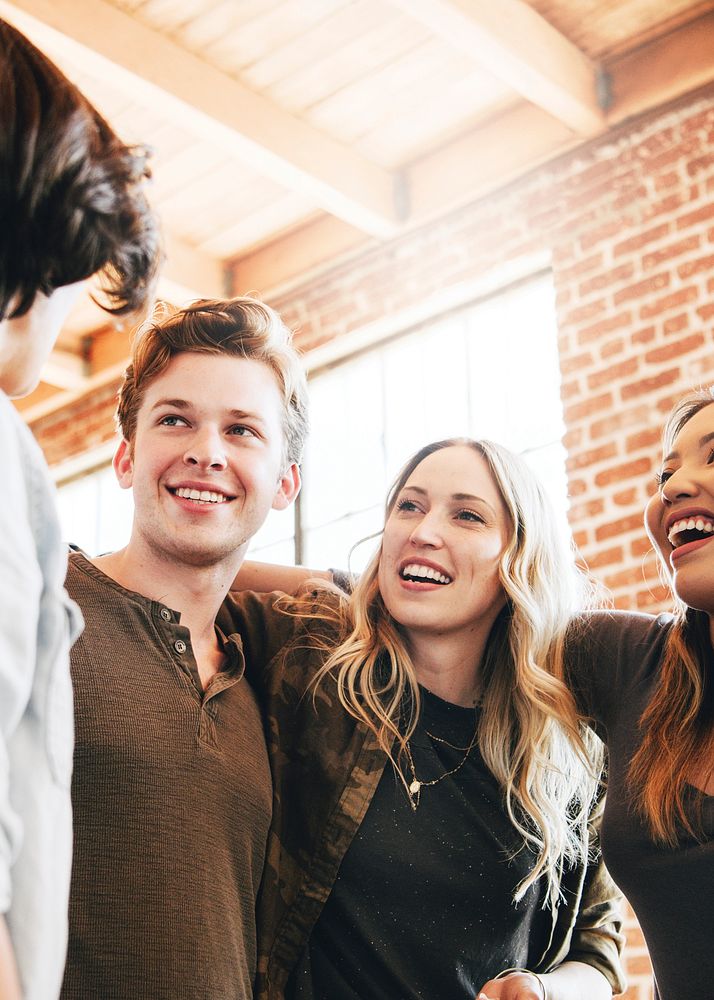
(425, 573)
(689, 524)
(205, 496)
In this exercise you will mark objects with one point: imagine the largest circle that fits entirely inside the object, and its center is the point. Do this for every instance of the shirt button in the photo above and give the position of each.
(180, 646)
(165, 614)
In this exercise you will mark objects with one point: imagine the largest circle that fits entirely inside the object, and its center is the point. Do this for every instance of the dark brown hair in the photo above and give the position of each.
(241, 327)
(72, 199)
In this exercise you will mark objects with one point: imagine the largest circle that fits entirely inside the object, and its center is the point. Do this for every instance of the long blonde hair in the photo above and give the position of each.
(678, 722)
(530, 735)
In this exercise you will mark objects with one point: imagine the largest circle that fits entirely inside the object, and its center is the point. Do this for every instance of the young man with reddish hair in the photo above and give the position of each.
(172, 790)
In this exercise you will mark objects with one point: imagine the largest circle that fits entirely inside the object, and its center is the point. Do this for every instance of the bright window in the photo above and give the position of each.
(94, 512)
(488, 371)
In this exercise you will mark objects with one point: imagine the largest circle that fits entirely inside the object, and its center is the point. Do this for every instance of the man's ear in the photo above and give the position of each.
(123, 463)
(288, 487)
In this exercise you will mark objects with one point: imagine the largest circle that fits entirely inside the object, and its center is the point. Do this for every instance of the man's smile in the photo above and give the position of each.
(202, 496)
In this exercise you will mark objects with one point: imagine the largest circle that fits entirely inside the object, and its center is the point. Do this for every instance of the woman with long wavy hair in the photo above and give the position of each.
(436, 790)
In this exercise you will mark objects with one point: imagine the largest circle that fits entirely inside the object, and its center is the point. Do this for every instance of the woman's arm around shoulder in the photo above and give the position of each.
(264, 577)
(271, 625)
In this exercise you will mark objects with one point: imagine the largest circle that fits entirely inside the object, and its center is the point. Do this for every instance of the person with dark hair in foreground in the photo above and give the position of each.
(72, 204)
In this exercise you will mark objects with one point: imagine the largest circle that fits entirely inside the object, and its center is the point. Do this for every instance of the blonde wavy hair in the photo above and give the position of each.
(678, 723)
(530, 734)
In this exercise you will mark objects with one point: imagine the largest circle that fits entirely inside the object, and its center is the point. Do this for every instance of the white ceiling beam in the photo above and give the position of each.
(295, 257)
(155, 71)
(523, 50)
(496, 152)
(190, 274)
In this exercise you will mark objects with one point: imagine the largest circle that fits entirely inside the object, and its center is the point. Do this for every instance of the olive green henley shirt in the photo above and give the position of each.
(172, 803)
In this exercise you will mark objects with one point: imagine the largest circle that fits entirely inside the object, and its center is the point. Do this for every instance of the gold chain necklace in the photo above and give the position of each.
(415, 786)
(453, 746)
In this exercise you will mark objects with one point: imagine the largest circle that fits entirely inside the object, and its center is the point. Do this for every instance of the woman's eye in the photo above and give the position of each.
(710, 458)
(171, 420)
(662, 477)
(240, 430)
(407, 505)
(469, 515)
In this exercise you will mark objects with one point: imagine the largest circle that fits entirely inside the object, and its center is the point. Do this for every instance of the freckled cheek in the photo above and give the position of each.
(392, 543)
(386, 563)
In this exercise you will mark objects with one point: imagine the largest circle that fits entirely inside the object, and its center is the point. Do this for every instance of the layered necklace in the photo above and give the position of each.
(416, 784)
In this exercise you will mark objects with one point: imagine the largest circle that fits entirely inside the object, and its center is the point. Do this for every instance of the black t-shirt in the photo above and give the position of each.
(614, 665)
(423, 902)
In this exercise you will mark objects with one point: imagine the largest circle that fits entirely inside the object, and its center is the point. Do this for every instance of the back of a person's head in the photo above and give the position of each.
(241, 327)
(72, 199)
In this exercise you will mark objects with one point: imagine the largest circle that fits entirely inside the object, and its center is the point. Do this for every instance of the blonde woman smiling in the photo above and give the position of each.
(434, 784)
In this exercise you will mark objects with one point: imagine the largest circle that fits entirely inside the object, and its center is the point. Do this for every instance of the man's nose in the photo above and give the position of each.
(206, 450)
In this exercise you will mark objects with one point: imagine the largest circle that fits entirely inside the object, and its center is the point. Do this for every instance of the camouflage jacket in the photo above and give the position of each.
(326, 767)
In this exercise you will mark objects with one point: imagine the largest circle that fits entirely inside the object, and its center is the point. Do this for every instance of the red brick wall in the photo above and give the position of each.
(80, 427)
(628, 226)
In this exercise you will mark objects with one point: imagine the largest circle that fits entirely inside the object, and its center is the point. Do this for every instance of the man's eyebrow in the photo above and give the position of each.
(175, 404)
(246, 415)
(706, 439)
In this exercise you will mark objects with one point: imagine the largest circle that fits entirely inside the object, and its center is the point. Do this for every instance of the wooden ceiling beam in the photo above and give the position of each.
(663, 70)
(190, 274)
(214, 106)
(496, 153)
(523, 50)
(295, 256)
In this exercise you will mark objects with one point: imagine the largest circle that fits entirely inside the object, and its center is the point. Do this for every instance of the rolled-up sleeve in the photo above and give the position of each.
(597, 936)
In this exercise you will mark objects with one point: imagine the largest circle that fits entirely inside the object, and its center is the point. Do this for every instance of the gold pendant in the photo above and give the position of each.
(414, 787)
